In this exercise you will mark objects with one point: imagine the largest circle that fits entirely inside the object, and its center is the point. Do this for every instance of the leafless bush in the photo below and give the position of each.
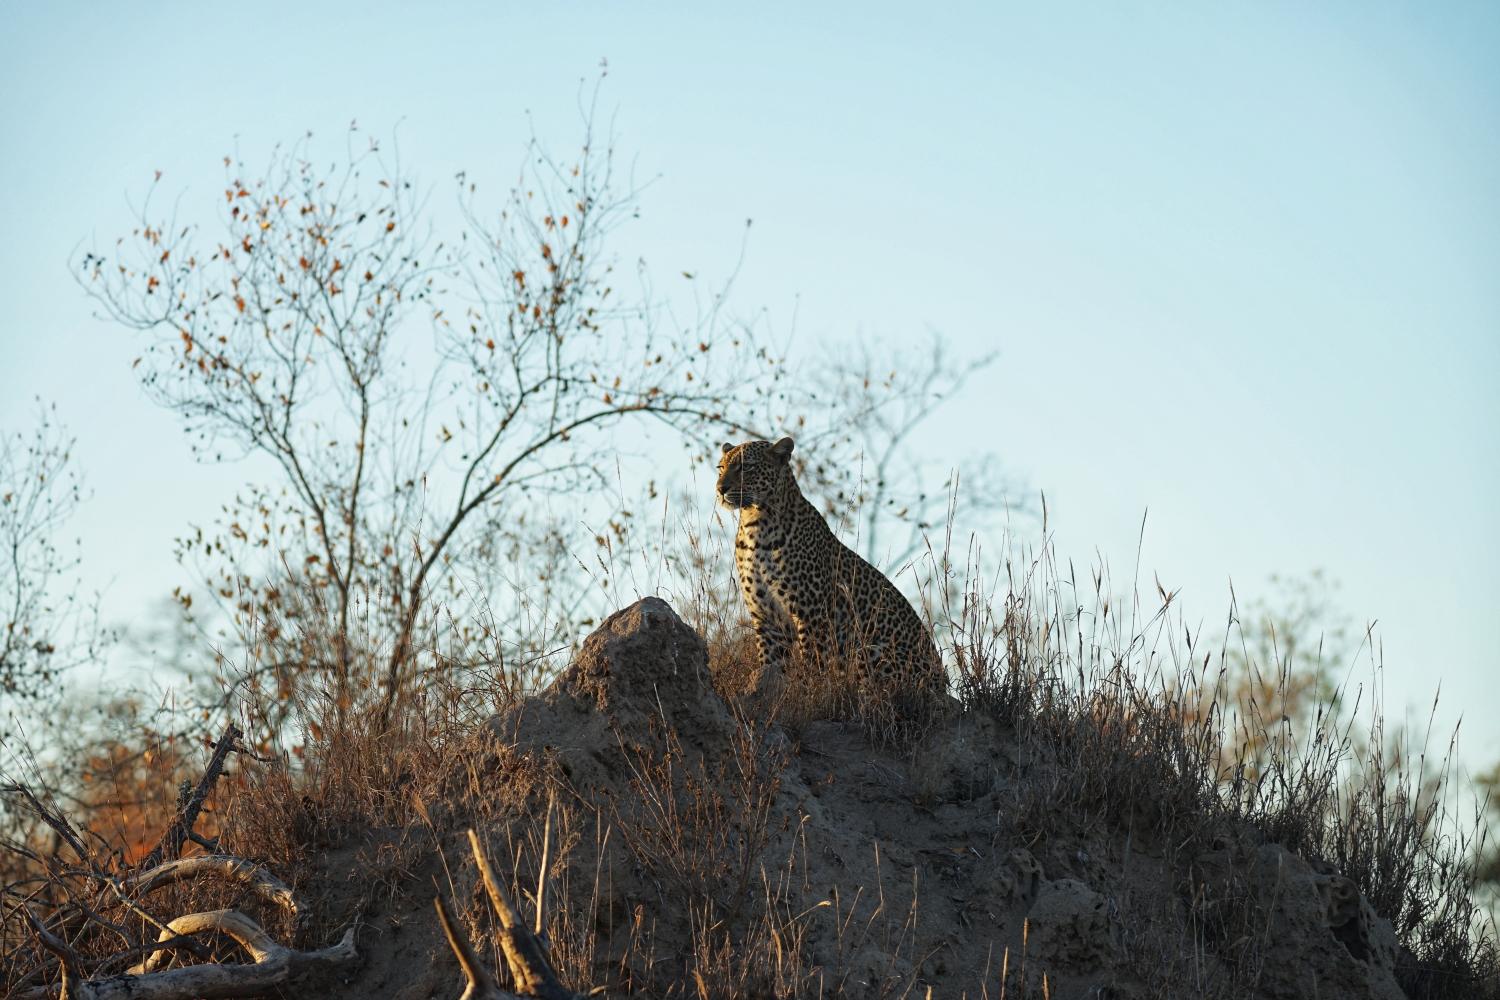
(858, 412)
(81, 914)
(45, 628)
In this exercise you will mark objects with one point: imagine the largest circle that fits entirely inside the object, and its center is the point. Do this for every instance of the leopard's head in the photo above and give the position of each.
(753, 473)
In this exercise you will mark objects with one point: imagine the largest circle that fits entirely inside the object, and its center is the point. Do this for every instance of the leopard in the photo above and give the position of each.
(812, 600)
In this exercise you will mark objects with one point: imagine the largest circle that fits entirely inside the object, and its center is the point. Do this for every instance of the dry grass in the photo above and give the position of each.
(1133, 730)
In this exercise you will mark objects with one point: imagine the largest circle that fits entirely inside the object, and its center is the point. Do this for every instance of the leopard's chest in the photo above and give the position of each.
(771, 568)
(759, 548)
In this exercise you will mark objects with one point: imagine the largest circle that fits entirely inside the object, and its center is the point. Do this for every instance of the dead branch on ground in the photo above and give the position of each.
(89, 915)
(525, 950)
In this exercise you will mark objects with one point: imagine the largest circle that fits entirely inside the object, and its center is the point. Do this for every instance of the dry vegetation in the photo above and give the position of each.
(1122, 746)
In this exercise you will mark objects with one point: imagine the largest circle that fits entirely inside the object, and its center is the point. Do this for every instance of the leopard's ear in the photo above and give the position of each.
(727, 448)
(782, 449)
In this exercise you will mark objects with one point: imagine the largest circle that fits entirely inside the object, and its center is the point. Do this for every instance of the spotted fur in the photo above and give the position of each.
(811, 598)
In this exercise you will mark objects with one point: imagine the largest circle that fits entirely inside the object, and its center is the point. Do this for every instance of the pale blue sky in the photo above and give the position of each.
(1242, 263)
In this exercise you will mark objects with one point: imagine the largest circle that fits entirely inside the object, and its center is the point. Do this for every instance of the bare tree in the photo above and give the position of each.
(295, 334)
(862, 409)
(46, 628)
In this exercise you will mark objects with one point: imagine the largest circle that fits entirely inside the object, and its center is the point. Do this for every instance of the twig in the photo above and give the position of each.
(181, 830)
(56, 821)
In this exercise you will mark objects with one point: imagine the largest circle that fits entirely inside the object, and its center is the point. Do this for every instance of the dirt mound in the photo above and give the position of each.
(1320, 936)
(708, 854)
(641, 673)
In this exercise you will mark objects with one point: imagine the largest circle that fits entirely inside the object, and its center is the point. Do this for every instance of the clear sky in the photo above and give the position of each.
(1242, 262)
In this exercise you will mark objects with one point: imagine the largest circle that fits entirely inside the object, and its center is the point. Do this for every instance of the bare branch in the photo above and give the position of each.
(43, 626)
(541, 892)
(71, 971)
(181, 829)
(527, 961)
(224, 868)
(525, 953)
(275, 967)
(55, 820)
(481, 983)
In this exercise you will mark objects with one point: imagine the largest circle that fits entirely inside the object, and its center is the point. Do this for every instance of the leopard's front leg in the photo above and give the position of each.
(771, 636)
(815, 640)
(775, 645)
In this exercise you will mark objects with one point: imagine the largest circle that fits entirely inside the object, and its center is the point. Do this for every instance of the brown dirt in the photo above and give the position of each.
(708, 853)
